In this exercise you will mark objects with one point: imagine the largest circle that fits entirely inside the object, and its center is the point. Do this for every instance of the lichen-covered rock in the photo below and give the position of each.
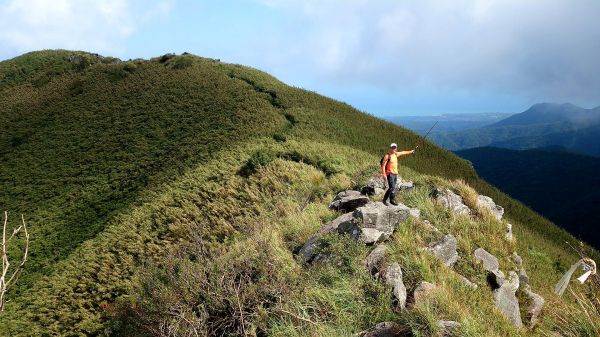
(348, 201)
(447, 328)
(450, 200)
(445, 250)
(415, 213)
(386, 329)
(489, 204)
(377, 221)
(403, 185)
(392, 277)
(374, 259)
(467, 282)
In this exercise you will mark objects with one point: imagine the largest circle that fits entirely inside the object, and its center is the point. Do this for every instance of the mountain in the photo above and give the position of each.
(448, 122)
(172, 196)
(543, 124)
(560, 185)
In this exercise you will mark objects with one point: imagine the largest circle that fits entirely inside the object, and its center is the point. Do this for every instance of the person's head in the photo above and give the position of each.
(393, 148)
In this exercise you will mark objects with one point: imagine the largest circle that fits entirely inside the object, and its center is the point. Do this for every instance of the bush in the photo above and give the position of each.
(182, 62)
(256, 161)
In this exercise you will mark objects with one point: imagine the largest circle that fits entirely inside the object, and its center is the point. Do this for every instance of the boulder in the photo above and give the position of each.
(348, 201)
(488, 203)
(447, 328)
(386, 329)
(375, 185)
(451, 201)
(523, 277)
(392, 277)
(445, 250)
(343, 223)
(506, 300)
(374, 259)
(377, 221)
(422, 291)
(534, 306)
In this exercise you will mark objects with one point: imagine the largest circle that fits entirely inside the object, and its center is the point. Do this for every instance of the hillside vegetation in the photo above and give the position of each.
(178, 189)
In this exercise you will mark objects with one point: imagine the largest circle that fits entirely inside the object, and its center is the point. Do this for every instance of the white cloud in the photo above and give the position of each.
(541, 49)
(100, 25)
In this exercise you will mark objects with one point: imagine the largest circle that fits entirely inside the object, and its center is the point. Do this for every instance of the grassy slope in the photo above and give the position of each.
(115, 163)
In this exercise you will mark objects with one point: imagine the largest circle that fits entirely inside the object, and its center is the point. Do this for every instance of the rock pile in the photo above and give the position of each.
(451, 201)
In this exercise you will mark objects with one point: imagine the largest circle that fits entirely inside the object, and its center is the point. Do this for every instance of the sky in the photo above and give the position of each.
(387, 58)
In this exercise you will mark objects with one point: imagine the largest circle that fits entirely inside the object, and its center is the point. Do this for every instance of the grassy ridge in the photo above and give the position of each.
(116, 163)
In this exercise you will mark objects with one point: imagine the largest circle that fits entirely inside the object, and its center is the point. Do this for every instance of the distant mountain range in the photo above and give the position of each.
(448, 122)
(562, 186)
(546, 124)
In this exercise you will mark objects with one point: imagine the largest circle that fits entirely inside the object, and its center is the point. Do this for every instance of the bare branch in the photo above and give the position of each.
(4, 283)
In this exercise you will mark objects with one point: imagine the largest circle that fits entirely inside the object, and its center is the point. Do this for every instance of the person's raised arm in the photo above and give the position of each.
(404, 153)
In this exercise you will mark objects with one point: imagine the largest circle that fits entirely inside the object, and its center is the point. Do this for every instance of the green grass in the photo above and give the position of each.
(133, 174)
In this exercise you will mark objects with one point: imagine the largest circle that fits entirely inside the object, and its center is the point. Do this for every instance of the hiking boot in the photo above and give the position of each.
(385, 202)
(393, 201)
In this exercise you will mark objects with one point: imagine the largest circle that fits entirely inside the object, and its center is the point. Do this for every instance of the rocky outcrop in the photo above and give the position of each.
(451, 201)
(422, 291)
(506, 299)
(374, 259)
(348, 201)
(377, 221)
(447, 328)
(404, 185)
(489, 204)
(445, 250)
(386, 329)
(392, 276)
(467, 282)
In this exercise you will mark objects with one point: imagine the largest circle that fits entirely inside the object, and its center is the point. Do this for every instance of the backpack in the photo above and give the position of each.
(382, 161)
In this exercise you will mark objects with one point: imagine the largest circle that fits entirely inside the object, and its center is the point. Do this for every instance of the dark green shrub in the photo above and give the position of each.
(182, 62)
(256, 161)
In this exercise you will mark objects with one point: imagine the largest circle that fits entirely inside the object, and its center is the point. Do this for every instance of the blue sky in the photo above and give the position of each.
(383, 57)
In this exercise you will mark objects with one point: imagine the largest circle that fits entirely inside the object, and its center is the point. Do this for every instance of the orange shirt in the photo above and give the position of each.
(391, 161)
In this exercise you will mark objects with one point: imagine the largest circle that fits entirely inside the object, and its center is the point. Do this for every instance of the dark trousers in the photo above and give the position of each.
(392, 179)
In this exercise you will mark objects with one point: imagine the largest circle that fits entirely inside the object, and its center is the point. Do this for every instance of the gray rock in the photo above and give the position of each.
(509, 234)
(445, 250)
(374, 259)
(447, 328)
(348, 201)
(489, 204)
(343, 223)
(490, 262)
(375, 185)
(422, 291)
(415, 213)
(404, 185)
(506, 300)
(386, 329)
(534, 306)
(392, 276)
(377, 221)
(451, 201)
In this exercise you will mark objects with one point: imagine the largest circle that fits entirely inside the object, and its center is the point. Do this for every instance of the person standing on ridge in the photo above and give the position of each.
(389, 170)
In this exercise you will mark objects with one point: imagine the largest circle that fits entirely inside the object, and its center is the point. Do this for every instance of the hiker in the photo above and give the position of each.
(389, 170)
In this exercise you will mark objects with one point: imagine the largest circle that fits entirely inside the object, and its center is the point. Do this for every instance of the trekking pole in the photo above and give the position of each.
(427, 134)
